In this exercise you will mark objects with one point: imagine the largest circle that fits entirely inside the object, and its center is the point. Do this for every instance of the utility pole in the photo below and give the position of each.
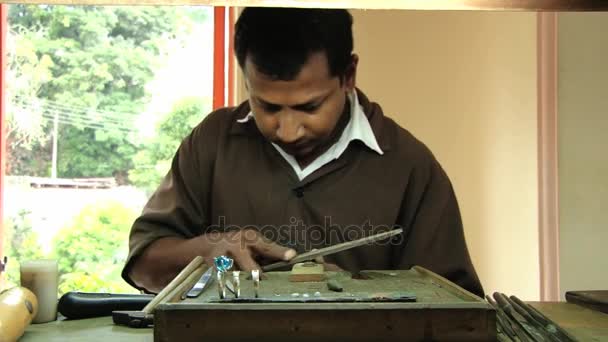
(55, 134)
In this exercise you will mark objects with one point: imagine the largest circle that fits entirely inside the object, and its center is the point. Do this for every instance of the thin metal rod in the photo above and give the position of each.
(332, 249)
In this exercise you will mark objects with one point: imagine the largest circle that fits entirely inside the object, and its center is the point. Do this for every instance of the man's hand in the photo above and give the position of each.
(164, 258)
(247, 247)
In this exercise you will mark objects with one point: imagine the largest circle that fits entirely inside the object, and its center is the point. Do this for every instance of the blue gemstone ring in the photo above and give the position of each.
(223, 263)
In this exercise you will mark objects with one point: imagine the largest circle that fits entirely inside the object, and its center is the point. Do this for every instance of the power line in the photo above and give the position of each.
(116, 115)
(75, 106)
(86, 119)
(90, 112)
(91, 116)
(81, 124)
(78, 119)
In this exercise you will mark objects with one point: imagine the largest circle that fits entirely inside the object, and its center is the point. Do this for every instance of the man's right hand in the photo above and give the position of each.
(163, 259)
(247, 247)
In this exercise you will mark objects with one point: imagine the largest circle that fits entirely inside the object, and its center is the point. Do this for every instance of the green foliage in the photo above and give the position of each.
(153, 162)
(26, 72)
(21, 242)
(75, 156)
(92, 249)
(92, 65)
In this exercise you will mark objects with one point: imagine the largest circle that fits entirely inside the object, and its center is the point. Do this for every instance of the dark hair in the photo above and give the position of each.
(280, 40)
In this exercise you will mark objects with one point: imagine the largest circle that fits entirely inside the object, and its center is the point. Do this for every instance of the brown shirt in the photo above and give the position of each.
(226, 175)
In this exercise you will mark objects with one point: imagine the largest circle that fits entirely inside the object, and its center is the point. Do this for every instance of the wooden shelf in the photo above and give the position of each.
(475, 5)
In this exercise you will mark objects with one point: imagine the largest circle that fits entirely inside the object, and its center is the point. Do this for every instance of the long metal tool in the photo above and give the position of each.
(550, 326)
(541, 328)
(502, 321)
(332, 249)
(520, 329)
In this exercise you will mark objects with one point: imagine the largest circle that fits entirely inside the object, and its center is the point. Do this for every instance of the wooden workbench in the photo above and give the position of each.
(582, 323)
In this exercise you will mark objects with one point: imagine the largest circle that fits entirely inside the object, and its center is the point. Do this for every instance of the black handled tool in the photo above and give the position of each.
(78, 305)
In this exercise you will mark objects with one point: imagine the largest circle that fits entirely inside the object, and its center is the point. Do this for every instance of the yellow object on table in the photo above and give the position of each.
(18, 306)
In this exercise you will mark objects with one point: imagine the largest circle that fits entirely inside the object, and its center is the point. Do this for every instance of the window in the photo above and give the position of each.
(98, 98)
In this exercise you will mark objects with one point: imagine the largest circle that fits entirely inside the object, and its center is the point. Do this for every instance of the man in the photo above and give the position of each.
(306, 162)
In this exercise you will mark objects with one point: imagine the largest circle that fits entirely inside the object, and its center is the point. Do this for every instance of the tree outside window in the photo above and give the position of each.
(98, 99)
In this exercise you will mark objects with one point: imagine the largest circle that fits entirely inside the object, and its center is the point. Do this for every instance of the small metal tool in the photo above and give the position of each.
(201, 284)
(255, 275)
(133, 319)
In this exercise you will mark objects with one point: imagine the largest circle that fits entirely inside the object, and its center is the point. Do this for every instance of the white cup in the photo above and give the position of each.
(40, 277)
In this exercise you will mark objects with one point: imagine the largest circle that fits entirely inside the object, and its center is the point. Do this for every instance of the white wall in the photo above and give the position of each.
(465, 84)
(583, 150)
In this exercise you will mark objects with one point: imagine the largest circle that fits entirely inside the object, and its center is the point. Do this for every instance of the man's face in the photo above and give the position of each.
(299, 115)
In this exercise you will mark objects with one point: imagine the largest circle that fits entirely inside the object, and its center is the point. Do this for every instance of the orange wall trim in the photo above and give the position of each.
(548, 205)
(219, 56)
(231, 60)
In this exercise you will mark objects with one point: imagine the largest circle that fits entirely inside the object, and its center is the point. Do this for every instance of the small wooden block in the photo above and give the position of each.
(307, 272)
